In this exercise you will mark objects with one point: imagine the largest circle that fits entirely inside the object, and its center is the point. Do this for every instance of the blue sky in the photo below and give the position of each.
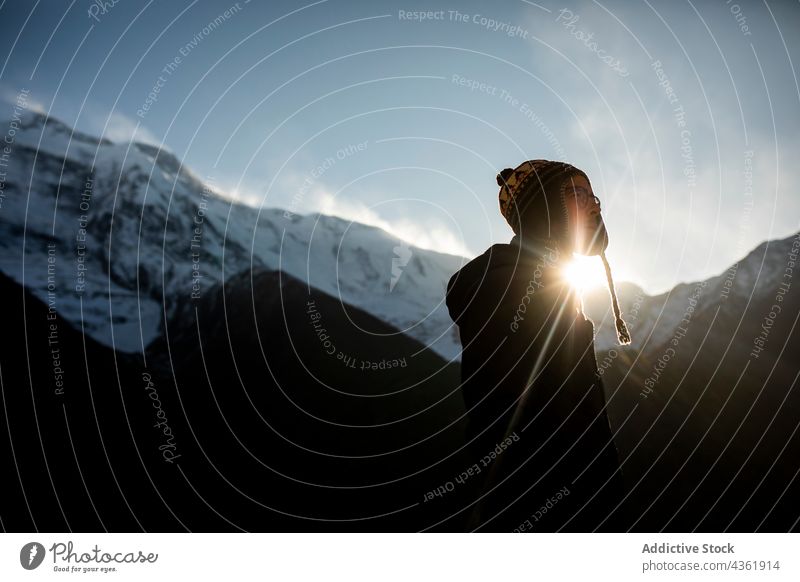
(364, 111)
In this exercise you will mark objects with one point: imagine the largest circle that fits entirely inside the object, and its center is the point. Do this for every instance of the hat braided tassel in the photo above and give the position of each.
(623, 335)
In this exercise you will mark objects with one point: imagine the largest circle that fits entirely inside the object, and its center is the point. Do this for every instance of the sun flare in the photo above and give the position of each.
(584, 273)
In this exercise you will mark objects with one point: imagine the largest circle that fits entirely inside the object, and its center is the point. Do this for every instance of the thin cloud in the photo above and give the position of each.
(435, 238)
(119, 128)
(9, 98)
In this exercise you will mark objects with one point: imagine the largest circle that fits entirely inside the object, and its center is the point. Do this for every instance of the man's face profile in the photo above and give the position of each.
(587, 233)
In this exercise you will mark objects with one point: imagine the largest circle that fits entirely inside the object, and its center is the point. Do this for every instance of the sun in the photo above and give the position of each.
(584, 273)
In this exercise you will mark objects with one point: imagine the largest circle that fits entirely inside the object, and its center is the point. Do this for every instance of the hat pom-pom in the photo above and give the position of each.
(503, 176)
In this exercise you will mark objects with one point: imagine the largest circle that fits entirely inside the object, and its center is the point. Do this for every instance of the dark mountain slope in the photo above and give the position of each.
(732, 417)
(254, 441)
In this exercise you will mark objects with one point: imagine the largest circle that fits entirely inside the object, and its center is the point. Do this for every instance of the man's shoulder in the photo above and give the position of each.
(505, 279)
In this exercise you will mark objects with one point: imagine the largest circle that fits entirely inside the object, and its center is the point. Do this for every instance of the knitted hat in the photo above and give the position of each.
(533, 194)
(536, 188)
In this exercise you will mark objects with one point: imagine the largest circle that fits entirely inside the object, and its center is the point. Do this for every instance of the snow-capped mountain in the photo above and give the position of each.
(123, 233)
(653, 320)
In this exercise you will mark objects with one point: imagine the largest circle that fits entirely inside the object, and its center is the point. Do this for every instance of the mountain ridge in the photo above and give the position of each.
(141, 266)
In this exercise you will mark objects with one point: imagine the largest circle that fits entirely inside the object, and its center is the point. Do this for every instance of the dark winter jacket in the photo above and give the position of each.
(538, 429)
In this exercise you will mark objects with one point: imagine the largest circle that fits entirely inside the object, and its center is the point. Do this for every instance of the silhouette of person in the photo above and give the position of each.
(538, 430)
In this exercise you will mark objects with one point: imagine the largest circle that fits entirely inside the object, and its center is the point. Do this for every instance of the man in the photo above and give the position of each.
(538, 428)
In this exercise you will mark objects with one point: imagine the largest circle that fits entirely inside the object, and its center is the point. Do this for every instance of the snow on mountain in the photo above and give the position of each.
(653, 320)
(123, 233)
